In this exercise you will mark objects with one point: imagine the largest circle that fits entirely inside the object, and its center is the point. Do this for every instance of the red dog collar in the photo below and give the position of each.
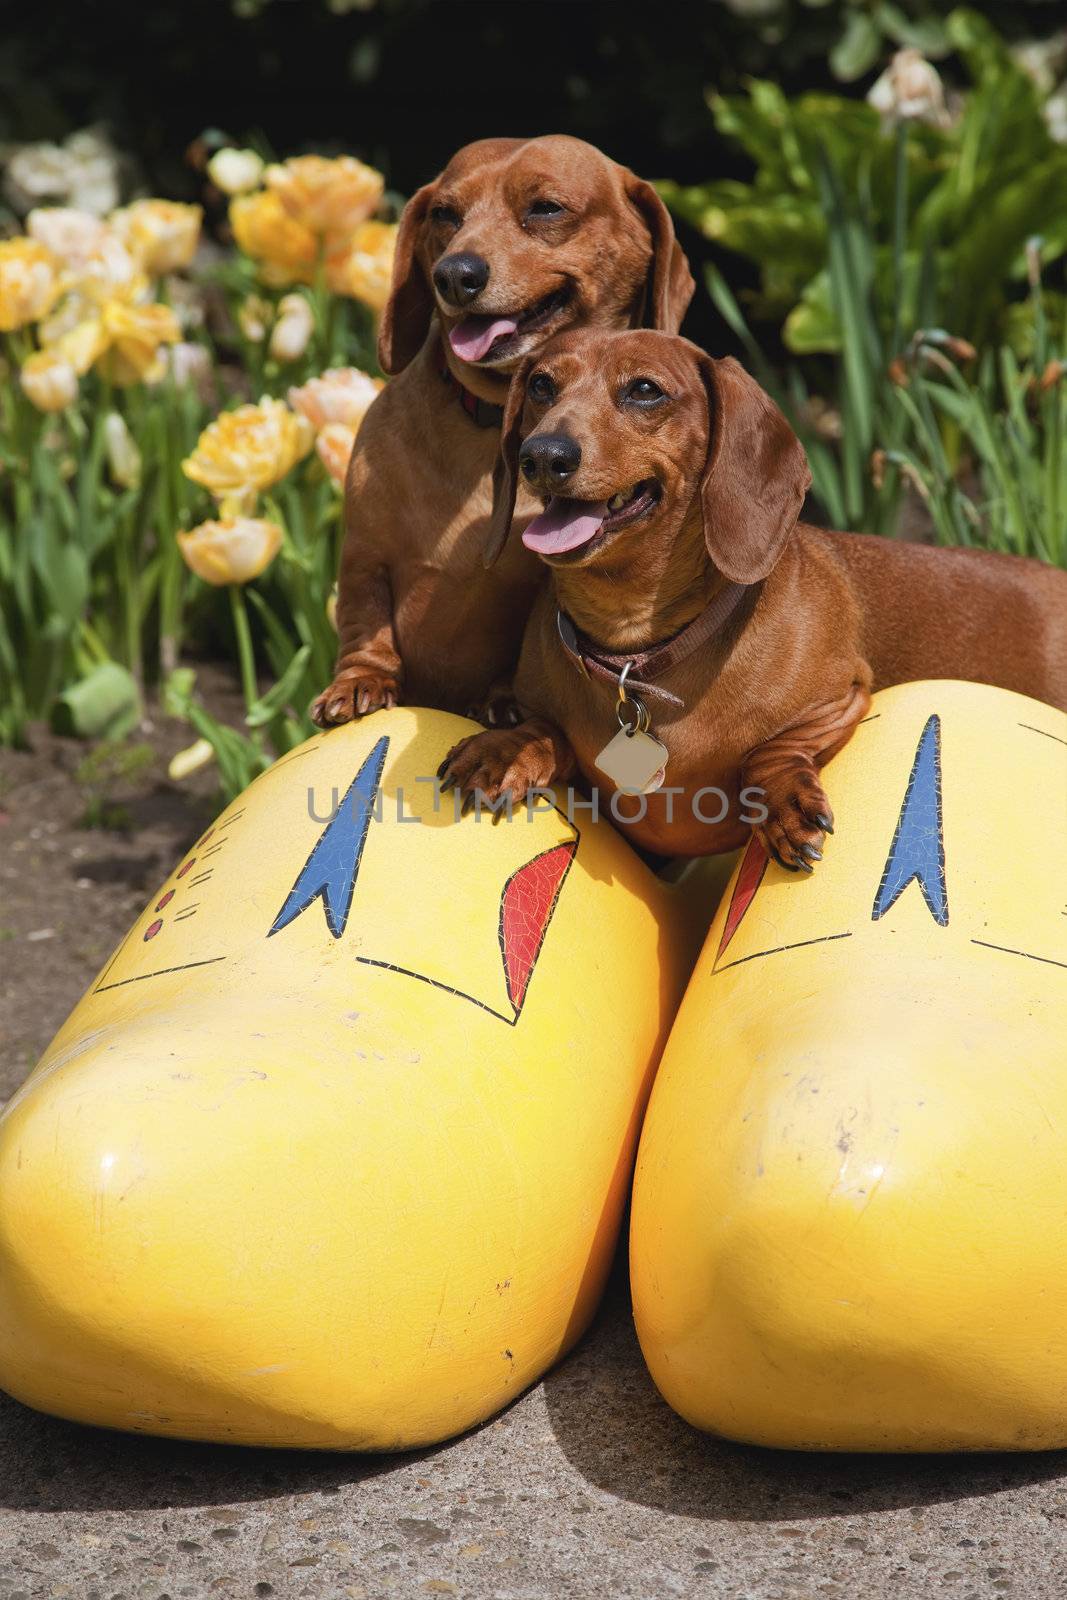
(480, 411)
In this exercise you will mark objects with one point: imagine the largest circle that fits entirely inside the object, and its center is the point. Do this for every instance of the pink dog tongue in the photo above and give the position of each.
(564, 525)
(471, 338)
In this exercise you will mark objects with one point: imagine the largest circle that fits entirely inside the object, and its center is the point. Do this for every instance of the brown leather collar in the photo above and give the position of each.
(480, 411)
(647, 665)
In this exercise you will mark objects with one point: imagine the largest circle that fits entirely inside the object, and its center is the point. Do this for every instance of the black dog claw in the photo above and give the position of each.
(824, 822)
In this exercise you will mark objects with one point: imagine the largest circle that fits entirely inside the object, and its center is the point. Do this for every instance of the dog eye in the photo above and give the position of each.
(541, 388)
(545, 208)
(644, 392)
(447, 216)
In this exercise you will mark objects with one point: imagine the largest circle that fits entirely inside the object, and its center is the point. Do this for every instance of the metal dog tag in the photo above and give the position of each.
(634, 760)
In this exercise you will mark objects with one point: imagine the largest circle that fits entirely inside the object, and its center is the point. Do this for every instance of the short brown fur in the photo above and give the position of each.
(419, 617)
(828, 616)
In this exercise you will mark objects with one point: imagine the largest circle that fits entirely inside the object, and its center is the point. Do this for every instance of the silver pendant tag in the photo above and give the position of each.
(634, 760)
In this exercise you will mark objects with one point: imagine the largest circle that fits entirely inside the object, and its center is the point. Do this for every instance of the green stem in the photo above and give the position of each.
(900, 233)
(245, 654)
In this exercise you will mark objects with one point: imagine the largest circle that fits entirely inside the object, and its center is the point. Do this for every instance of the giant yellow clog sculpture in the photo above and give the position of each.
(334, 1151)
(849, 1224)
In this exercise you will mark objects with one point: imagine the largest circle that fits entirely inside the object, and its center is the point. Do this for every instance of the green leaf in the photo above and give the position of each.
(279, 695)
(104, 705)
(812, 327)
(858, 48)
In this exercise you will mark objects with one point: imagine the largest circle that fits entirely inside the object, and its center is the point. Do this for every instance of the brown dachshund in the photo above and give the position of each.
(516, 240)
(673, 488)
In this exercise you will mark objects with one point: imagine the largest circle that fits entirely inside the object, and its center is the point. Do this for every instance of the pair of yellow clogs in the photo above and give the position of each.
(335, 1150)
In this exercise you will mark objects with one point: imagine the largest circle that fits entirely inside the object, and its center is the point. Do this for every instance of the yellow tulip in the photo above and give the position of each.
(72, 236)
(364, 269)
(160, 234)
(49, 380)
(114, 330)
(293, 329)
(29, 282)
(342, 394)
(80, 343)
(234, 550)
(334, 445)
(324, 195)
(264, 230)
(247, 450)
(235, 171)
(132, 336)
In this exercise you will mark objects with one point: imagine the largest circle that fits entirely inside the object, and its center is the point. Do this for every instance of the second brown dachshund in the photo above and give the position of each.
(515, 241)
(673, 488)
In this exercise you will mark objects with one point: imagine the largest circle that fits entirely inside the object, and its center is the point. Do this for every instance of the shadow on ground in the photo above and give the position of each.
(605, 1416)
(614, 1428)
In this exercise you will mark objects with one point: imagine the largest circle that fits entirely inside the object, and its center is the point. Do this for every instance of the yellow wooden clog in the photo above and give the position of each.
(849, 1223)
(334, 1151)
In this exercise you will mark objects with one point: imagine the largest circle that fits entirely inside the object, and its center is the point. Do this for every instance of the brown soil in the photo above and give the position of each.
(69, 892)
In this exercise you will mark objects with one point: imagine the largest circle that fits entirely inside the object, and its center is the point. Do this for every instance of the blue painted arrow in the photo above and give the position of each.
(331, 868)
(918, 848)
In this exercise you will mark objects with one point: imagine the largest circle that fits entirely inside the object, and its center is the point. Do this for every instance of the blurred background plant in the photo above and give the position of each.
(883, 239)
(120, 336)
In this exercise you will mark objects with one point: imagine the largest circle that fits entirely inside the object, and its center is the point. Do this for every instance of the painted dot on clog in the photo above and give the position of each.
(165, 900)
(187, 867)
(152, 929)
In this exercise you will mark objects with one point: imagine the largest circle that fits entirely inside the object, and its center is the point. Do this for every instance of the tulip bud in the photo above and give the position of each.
(235, 171)
(190, 760)
(252, 316)
(909, 90)
(233, 550)
(49, 380)
(123, 456)
(293, 329)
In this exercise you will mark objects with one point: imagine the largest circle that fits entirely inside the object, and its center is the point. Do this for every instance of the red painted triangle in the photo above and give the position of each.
(526, 908)
(753, 866)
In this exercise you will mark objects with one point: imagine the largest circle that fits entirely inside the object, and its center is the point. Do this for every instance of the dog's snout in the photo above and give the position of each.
(548, 460)
(458, 278)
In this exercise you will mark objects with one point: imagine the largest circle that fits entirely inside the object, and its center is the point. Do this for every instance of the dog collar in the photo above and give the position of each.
(480, 411)
(646, 665)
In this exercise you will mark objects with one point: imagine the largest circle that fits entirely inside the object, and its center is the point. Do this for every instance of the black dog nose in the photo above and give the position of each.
(460, 277)
(547, 460)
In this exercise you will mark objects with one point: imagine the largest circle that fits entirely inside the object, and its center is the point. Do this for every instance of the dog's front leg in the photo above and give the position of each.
(368, 674)
(505, 764)
(785, 770)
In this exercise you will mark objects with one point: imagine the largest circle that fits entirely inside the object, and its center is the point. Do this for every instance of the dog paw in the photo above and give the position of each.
(354, 694)
(499, 709)
(798, 820)
(495, 768)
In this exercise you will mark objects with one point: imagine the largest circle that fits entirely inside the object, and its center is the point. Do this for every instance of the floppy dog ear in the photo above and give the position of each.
(506, 471)
(670, 282)
(406, 318)
(756, 474)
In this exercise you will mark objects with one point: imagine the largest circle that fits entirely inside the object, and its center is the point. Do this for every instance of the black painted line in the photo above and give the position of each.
(1029, 954)
(160, 973)
(1045, 735)
(825, 938)
(435, 983)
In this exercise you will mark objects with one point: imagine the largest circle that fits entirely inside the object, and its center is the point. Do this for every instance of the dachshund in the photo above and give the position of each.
(517, 240)
(687, 594)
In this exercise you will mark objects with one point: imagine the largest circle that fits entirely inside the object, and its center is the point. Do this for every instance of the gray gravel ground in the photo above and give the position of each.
(590, 1486)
